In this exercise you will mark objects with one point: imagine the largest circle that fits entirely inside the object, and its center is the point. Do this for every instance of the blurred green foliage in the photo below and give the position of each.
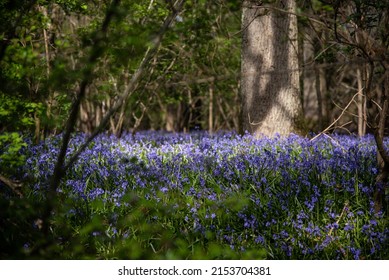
(143, 229)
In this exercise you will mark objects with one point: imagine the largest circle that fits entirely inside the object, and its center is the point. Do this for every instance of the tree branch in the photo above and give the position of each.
(14, 186)
(96, 52)
(338, 118)
(131, 85)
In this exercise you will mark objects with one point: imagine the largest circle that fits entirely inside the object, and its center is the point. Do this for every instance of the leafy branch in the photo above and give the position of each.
(61, 167)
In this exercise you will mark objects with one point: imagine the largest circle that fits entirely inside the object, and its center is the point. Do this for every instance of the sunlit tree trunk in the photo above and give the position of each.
(270, 77)
(170, 117)
(361, 104)
(210, 108)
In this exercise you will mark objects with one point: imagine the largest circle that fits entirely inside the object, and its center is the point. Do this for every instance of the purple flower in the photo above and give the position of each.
(356, 253)
(259, 239)
(290, 191)
(373, 223)
(348, 227)
(95, 193)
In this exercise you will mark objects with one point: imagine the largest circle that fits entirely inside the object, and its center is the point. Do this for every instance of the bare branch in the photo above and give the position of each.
(132, 84)
(14, 186)
(338, 118)
(96, 52)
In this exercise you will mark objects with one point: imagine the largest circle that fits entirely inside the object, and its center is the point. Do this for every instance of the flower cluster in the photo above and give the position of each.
(294, 197)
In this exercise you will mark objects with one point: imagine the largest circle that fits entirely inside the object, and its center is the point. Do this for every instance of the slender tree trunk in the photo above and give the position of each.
(361, 105)
(382, 180)
(210, 113)
(51, 96)
(59, 169)
(170, 117)
(117, 127)
(270, 77)
(319, 99)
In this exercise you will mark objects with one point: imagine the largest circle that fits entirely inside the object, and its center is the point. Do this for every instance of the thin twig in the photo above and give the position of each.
(346, 204)
(338, 118)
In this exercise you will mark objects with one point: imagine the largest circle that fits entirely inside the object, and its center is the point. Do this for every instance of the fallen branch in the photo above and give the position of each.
(13, 185)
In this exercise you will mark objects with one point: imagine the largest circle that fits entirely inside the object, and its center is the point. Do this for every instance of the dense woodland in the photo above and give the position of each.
(193, 78)
(120, 67)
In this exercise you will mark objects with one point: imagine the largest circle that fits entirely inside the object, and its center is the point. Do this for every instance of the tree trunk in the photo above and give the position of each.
(210, 108)
(361, 105)
(170, 117)
(270, 77)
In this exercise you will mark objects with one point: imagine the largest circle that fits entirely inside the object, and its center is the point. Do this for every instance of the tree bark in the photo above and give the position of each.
(270, 78)
(361, 105)
(210, 108)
